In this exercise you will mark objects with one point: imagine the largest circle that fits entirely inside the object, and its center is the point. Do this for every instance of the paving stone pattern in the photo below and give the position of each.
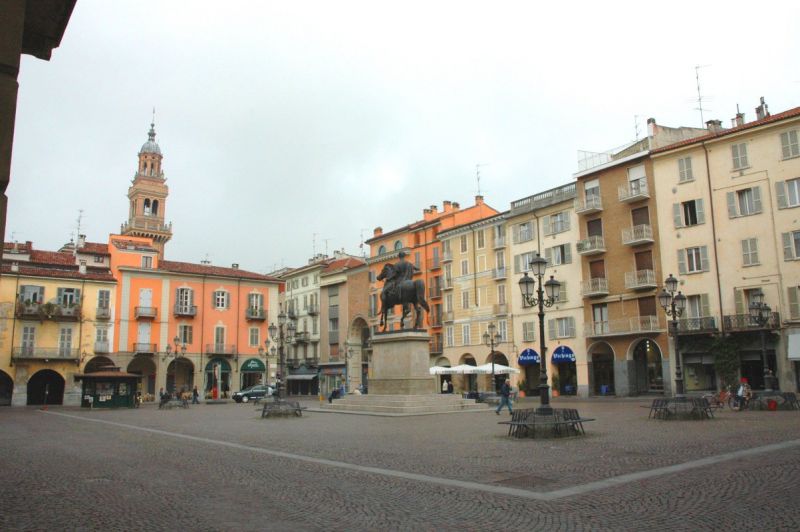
(72, 474)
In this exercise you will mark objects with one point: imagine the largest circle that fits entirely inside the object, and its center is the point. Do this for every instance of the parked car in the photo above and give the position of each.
(254, 392)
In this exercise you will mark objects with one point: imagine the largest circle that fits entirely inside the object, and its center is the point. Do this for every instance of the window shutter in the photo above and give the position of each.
(780, 193)
(701, 213)
(731, 204)
(746, 252)
(515, 233)
(177, 296)
(794, 302)
(571, 327)
(60, 296)
(566, 222)
(562, 293)
(40, 292)
(551, 330)
(738, 297)
(517, 262)
(677, 215)
(682, 261)
(213, 300)
(548, 255)
(705, 309)
(788, 252)
(567, 253)
(757, 199)
(704, 258)
(546, 225)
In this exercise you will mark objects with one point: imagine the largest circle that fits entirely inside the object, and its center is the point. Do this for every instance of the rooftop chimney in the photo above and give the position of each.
(82, 266)
(81, 241)
(651, 127)
(15, 266)
(434, 208)
(715, 126)
(447, 205)
(456, 206)
(235, 265)
(378, 231)
(762, 111)
(479, 200)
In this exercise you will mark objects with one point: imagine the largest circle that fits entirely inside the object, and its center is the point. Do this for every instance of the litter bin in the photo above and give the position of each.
(772, 405)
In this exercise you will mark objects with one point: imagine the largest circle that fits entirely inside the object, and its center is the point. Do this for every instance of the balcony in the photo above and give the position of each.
(333, 336)
(102, 313)
(447, 256)
(499, 242)
(46, 353)
(220, 349)
(637, 325)
(434, 292)
(49, 311)
(302, 337)
(436, 320)
(309, 360)
(743, 322)
(590, 205)
(597, 287)
(333, 312)
(706, 325)
(144, 348)
(145, 312)
(498, 274)
(640, 280)
(147, 223)
(185, 310)
(634, 191)
(637, 235)
(313, 309)
(448, 316)
(447, 283)
(592, 245)
(102, 347)
(255, 314)
(434, 263)
(500, 309)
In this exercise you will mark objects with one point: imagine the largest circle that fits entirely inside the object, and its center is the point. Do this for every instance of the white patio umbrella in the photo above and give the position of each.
(463, 369)
(438, 370)
(499, 369)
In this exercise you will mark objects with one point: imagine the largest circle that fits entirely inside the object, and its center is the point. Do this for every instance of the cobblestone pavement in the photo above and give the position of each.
(222, 467)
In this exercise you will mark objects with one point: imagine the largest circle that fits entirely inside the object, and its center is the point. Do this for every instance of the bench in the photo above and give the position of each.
(281, 408)
(524, 423)
(174, 403)
(687, 407)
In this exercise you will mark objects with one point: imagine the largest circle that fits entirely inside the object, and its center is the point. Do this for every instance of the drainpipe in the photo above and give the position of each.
(714, 236)
(14, 322)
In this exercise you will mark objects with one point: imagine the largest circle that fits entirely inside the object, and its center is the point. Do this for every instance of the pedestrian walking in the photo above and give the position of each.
(505, 398)
(444, 386)
(195, 396)
(449, 386)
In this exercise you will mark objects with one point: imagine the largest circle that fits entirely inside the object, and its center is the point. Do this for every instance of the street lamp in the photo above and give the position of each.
(492, 338)
(552, 288)
(175, 353)
(264, 352)
(760, 313)
(283, 334)
(674, 305)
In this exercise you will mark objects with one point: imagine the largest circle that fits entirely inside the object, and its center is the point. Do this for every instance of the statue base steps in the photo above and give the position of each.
(402, 405)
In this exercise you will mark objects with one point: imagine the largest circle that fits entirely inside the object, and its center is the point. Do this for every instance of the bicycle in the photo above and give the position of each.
(721, 398)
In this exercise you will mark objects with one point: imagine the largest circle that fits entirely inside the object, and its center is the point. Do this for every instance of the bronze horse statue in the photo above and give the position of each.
(402, 293)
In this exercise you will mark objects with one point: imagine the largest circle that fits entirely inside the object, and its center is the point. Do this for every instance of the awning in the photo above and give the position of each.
(221, 361)
(528, 357)
(300, 377)
(497, 369)
(794, 346)
(253, 365)
(698, 358)
(562, 354)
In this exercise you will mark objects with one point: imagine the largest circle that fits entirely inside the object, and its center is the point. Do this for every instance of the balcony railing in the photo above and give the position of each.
(499, 242)
(591, 245)
(102, 347)
(434, 263)
(640, 280)
(220, 349)
(333, 312)
(313, 309)
(447, 256)
(139, 347)
(434, 292)
(498, 274)
(743, 322)
(61, 353)
(590, 205)
(49, 311)
(447, 283)
(302, 337)
(634, 191)
(500, 309)
(594, 287)
(145, 312)
(448, 315)
(436, 320)
(253, 313)
(637, 235)
(185, 310)
(636, 325)
(102, 313)
(333, 337)
(147, 223)
(436, 345)
(707, 324)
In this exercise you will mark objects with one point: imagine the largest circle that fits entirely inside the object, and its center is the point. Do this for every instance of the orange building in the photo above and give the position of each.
(418, 240)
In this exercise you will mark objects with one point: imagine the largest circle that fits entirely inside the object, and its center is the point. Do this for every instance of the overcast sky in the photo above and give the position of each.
(282, 120)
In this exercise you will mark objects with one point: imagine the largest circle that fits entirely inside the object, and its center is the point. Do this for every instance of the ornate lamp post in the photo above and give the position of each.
(264, 352)
(492, 338)
(760, 314)
(553, 289)
(176, 353)
(283, 333)
(674, 305)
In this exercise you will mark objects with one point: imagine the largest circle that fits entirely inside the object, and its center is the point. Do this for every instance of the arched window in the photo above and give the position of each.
(381, 250)
(147, 207)
(398, 245)
(155, 207)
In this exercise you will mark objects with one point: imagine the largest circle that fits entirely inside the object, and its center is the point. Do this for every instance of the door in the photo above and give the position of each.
(600, 318)
(146, 297)
(143, 335)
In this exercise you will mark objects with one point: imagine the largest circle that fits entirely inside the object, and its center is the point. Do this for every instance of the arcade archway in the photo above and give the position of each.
(467, 383)
(498, 358)
(143, 365)
(649, 374)
(98, 364)
(6, 389)
(46, 387)
(180, 375)
(601, 358)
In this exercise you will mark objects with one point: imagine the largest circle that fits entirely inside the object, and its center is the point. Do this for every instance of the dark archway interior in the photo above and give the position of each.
(46, 385)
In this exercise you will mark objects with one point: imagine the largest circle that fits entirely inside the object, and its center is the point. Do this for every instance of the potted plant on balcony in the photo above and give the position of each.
(48, 310)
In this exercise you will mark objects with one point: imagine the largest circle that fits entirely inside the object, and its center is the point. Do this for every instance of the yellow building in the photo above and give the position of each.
(55, 315)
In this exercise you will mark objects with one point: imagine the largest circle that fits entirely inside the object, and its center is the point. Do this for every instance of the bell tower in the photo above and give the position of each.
(148, 197)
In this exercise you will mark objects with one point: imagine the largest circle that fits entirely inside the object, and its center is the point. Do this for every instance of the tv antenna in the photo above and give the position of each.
(478, 175)
(700, 94)
(636, 126)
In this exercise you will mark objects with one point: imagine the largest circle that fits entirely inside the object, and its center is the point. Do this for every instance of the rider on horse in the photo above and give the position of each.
(403, 271)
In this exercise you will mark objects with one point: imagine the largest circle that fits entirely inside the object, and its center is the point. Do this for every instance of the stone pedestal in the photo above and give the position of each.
(400, 364)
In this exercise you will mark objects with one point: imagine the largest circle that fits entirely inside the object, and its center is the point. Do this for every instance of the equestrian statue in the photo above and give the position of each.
(400, 289)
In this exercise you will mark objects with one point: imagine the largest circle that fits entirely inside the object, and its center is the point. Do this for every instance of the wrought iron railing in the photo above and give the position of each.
(743, 322)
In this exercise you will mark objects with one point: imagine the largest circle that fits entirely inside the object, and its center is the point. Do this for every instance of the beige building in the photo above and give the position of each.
(475, 294)
(730, 226)
(546, 223)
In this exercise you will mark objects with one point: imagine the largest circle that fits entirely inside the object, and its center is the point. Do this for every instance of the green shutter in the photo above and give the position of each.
(794, 304)
(705, 308)
(60, 296)
(677, 216)
(701, 213)
(682, 261)
(738, 298)
(780, 193)
(788, 251)
(731, 197)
